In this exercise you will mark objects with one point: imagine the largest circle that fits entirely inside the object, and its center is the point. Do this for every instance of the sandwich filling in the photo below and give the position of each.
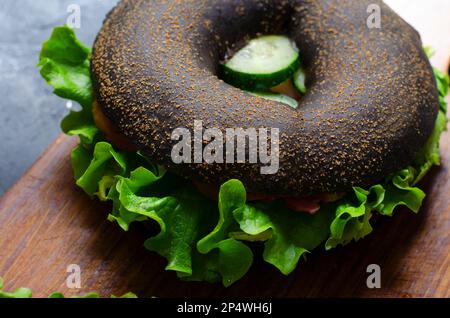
(206, 235)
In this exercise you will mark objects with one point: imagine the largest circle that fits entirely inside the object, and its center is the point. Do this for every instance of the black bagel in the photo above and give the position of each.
(371, 104)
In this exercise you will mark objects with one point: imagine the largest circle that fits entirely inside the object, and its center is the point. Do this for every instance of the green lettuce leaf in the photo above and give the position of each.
(18, 293)
(27, 293)
(64, 63)
(103, 162)
(234, 257)
(201, 239)
(399, 191)
(287, 235)
(352, 217)
(92, 295)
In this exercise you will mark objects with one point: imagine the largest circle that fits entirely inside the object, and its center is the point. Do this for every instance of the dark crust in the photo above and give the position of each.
(371, 105)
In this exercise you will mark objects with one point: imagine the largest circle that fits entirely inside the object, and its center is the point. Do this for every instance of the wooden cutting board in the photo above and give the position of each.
(46, 224)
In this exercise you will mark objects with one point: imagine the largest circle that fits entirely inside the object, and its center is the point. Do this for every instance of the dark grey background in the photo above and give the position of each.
(29, 112)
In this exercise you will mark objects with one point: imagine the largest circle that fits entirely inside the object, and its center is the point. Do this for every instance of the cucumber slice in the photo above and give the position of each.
(277, 98)
(263, 63)
(299, 79)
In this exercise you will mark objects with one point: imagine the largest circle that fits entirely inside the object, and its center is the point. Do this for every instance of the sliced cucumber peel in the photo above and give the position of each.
(263, 63)
(299, 80)
(281, 98)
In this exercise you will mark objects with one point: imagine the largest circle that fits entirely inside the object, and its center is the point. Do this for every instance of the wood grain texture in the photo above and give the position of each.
(46, 223)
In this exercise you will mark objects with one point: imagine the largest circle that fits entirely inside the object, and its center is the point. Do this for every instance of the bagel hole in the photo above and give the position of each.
(230, 25)
(280, 76)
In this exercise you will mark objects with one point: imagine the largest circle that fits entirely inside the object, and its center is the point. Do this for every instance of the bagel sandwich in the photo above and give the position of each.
(336, 124)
